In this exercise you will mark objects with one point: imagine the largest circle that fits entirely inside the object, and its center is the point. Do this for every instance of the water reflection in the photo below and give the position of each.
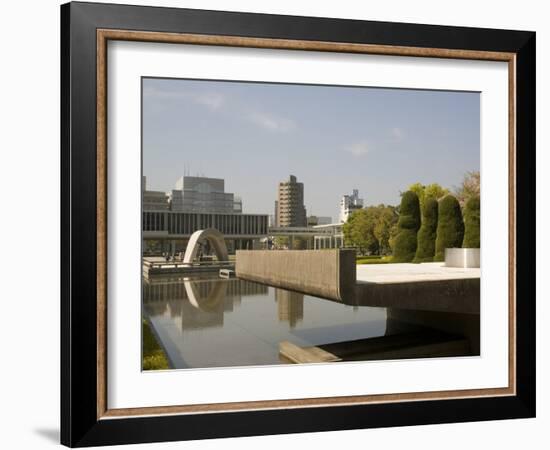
(198, 303)
(208, 300)
(213, 322)
(290, 306)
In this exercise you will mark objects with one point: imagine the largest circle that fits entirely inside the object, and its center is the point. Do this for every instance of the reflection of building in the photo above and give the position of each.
(204, 195)
(348, 204)
(196, 304)
(291, 211)
(196, 319)
(153, 200)
(173, 288)
(290, 306)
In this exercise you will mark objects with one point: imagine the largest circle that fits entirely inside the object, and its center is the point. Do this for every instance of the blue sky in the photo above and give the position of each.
(333, 138)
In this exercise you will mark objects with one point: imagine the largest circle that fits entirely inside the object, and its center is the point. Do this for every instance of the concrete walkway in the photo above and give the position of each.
(334, 274)
(410, 273)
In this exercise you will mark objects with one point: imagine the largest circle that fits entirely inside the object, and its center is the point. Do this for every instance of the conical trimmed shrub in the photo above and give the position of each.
(471, 223)
(425, 250)
(407, 228)
(450, 227)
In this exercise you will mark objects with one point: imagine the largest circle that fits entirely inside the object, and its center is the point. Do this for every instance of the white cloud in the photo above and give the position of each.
(271, 123)
(397, 133)
(154, 92)
(211, 100)
(359, 149)
(216, 102)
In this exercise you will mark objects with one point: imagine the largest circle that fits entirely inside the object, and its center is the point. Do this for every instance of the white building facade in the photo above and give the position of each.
(204, 195)
(153, 200)
(349, 204)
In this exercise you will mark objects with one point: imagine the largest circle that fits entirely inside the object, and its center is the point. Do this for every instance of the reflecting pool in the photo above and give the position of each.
(213, 322)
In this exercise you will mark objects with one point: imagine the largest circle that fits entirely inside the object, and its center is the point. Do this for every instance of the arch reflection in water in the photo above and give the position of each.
(209, 302)
(196, 303)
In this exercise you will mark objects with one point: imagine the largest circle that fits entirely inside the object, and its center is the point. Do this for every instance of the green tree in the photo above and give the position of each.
(428, 230)
(450, 226)
(359, 231)
(281, 242)
(393, 234)
(471, 223)
(407, 225)
(470, 187)
(369, 229)
(285, 242)
(425, 191)
(299, 243)
(386, 220)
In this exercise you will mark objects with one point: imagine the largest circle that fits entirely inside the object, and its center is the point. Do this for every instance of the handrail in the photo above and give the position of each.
(176, 265)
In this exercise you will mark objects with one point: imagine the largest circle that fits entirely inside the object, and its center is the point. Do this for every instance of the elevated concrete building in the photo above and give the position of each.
(204, 195)
(330, 235)
(318, 220)
(170, 231)
(291, 211)
(349, 204)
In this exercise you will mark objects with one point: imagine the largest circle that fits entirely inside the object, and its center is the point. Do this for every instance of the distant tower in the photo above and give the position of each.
(291, 211)
(348, 204)
(276, 216)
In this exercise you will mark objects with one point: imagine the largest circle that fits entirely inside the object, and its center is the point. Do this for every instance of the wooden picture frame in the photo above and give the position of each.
(86, 418)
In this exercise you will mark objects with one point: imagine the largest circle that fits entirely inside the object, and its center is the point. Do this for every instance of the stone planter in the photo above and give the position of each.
(462, 257)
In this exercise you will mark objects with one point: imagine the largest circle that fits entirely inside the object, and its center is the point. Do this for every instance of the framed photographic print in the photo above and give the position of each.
(278, 224)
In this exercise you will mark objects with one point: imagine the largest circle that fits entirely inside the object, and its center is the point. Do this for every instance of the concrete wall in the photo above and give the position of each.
(324, 273)
(451, 296)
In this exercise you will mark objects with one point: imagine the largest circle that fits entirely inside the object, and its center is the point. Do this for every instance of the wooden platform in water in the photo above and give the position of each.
(296, 354)
(418, 344)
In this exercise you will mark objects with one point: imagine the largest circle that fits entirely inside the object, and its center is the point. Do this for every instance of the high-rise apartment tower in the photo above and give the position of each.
(291, 211)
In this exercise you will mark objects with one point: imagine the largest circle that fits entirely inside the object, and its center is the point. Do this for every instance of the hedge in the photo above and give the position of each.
(425, 250)
(471, 223)
(407, 228)
(450, 227)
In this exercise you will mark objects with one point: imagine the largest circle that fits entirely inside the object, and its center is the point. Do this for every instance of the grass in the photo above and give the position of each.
(374, 259)
(153, 356)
